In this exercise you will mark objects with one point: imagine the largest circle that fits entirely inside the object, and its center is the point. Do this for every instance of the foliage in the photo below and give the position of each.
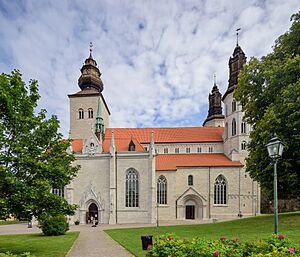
(54, 226)
(269, 92)
(9, 254)
(170, 245)
(38, 245)
(33, 156)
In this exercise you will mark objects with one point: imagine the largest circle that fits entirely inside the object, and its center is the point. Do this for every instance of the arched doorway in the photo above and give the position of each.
(190, 210)
(92, 213)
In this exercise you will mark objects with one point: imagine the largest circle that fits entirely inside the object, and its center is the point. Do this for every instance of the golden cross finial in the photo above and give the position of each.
(237, 36)
(91, 49)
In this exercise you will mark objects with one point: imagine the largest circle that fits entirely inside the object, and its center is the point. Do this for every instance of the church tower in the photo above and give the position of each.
(236, 132)
(215, 118)
(88, 109)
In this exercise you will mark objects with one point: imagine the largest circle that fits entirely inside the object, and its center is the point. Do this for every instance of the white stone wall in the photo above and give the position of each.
(139, 162)
(214, 123)
(91, 185)
(81, 128)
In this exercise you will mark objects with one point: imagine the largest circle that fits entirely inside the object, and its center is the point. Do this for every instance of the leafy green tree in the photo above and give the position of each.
(33, 156)
(269, 92)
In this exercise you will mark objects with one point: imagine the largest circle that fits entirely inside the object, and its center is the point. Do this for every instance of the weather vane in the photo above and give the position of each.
(237, 36)
(91, 48)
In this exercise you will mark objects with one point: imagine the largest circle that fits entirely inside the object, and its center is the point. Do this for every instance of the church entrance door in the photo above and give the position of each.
(190, 212)
(92, 214)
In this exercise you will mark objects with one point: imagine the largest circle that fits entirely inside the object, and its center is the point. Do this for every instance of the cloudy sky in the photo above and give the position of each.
(157, 58)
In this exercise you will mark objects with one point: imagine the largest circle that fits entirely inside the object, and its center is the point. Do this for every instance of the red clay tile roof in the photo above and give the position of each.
(77, 145)
(161, 135)
(122, 145)
(172, 161)
(170, 135)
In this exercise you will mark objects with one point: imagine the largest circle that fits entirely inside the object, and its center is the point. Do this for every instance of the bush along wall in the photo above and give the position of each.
(172, 246)
(54, 226)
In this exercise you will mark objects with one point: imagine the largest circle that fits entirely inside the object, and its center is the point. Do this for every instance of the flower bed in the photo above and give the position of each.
(171, 246)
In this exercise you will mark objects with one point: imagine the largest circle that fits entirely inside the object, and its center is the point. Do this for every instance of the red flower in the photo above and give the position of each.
(222, 238)
(291, 250)
(164, 239)
(281, 236)
(216, 254)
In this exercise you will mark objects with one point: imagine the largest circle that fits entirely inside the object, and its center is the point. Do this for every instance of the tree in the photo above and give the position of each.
(33, 156)
(269, 92)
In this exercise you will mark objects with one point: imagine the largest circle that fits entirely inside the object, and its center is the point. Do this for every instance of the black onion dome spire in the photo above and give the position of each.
(90, 74)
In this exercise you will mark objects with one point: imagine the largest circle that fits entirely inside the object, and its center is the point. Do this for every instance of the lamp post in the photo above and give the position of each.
(275, 149)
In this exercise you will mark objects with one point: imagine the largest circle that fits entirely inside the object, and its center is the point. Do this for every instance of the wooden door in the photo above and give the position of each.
(190, 212)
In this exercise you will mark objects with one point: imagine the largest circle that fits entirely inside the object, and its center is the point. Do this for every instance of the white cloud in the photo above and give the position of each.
(157, 58)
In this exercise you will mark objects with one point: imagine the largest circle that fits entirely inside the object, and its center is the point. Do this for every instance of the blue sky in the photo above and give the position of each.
(157, 58)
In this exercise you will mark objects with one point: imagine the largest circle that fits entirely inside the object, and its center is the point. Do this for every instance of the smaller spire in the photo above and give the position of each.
(215, 79)
(99, 119)
(237, 36)
(91, 49)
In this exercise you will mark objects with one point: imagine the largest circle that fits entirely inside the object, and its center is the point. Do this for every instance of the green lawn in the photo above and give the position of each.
(9, 222)
(248, 229)
(38, 245)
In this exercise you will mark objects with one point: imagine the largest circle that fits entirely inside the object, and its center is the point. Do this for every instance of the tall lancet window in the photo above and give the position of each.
(132, 188)
(80, 114)
(220, 193)
(233, 127)
(162, 190)
(90, 112)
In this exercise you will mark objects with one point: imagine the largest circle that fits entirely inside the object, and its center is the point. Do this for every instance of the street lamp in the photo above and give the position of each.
(275, 149)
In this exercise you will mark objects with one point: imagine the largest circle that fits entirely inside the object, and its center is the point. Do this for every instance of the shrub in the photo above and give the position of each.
(76, 222)
(54, 226)
(9, 254)
(170, 245)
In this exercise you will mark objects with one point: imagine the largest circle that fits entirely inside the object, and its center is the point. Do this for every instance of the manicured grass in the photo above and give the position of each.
(9, 222)
(38, 245)
(248, 229)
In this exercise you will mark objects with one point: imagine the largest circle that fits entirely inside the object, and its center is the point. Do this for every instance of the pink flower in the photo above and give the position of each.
(216, 254)
(281, 236)
(164, 239)
(149, 247)
(222, 238)
(171, 238)
(291, 250)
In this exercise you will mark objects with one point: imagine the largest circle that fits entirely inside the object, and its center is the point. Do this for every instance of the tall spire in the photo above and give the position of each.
(99, 119)
(91, 49)
(236, 63)
(90, 74)
(237, 36)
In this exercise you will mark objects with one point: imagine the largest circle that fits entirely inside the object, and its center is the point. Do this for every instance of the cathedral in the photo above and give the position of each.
(146, 175)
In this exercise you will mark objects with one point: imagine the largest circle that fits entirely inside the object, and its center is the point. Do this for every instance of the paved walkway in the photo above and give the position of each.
(94, 242)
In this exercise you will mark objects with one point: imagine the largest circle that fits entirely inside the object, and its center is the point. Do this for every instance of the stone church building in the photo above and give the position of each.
(141, 175)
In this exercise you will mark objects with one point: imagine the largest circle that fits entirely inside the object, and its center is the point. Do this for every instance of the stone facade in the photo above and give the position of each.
(202, 169)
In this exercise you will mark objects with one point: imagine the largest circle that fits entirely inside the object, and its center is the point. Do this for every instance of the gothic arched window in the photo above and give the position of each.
(90, 112)
(162, 190)
(220, 190)
(80, 114)
(233, 107)
(243, 145)
(243, 128)
(226, 130)
(233, 127)
(132, 188)
(190, 180)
